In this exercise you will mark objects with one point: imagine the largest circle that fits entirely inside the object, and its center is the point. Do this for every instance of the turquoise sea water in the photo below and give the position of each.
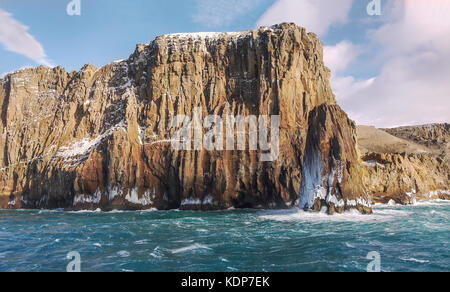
(413, 238)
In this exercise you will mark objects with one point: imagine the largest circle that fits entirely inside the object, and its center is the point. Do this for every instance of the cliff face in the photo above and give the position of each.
(332, 169)
(100, 138)
(406, 164)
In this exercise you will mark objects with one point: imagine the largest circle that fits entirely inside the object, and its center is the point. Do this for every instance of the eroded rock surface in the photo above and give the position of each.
(433, 136)
(332, 169)
(410, 165)
(100, 137)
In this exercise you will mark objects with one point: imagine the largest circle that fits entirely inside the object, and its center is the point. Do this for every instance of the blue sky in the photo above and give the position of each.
(108, 30)
(373, 58)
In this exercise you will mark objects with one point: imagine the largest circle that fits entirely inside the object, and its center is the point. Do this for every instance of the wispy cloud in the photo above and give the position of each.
(221, 12)
(413, 85)
(14, 36)
(315, 15)
(338, 57)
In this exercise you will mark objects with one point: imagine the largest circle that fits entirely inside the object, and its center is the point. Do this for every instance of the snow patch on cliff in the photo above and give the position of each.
(145, 200)
(83, 199)
(312, 183)
(412, 193)
(337, 203)
(191, 202)
(79, 148)
(208, 200)
(114, 192)
(141, 134)
(86, 145)
(209, 35)
(313, 188)
(373, 164)
(363, 202)
(118, 61)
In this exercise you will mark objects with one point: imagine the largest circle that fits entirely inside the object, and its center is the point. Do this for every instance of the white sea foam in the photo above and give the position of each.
(123, 254)
(350, 216)
(4, 254)
(148, 211)
(391, 203)
(157, 253)
(98, 210)
(415, 204)
(437, 193)
(415, 260)
(194, 246)
(232, 269)
(141, 242)
(432, 203)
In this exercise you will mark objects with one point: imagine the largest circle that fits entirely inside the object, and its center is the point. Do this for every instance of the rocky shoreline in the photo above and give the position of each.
(405, 168)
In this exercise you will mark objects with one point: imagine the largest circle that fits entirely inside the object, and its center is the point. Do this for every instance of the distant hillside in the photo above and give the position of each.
(406, 164)
(371, 139)
(434, 136)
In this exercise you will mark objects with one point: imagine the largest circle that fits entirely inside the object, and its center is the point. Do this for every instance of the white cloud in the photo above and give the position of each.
(15, 38)
(221, 12)
(347, 86)
(415, 24)
(413, 85)
(410, 90)
(315, 15)
(338, 57)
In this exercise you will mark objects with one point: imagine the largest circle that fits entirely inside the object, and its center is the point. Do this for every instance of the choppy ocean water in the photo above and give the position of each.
(408, 238)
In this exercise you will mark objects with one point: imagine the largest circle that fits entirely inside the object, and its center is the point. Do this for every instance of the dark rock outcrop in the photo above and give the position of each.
(331, 176)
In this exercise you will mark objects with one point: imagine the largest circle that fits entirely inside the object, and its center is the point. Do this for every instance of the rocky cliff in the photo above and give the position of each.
(404, 165)
(101, 137)
(435, 137)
